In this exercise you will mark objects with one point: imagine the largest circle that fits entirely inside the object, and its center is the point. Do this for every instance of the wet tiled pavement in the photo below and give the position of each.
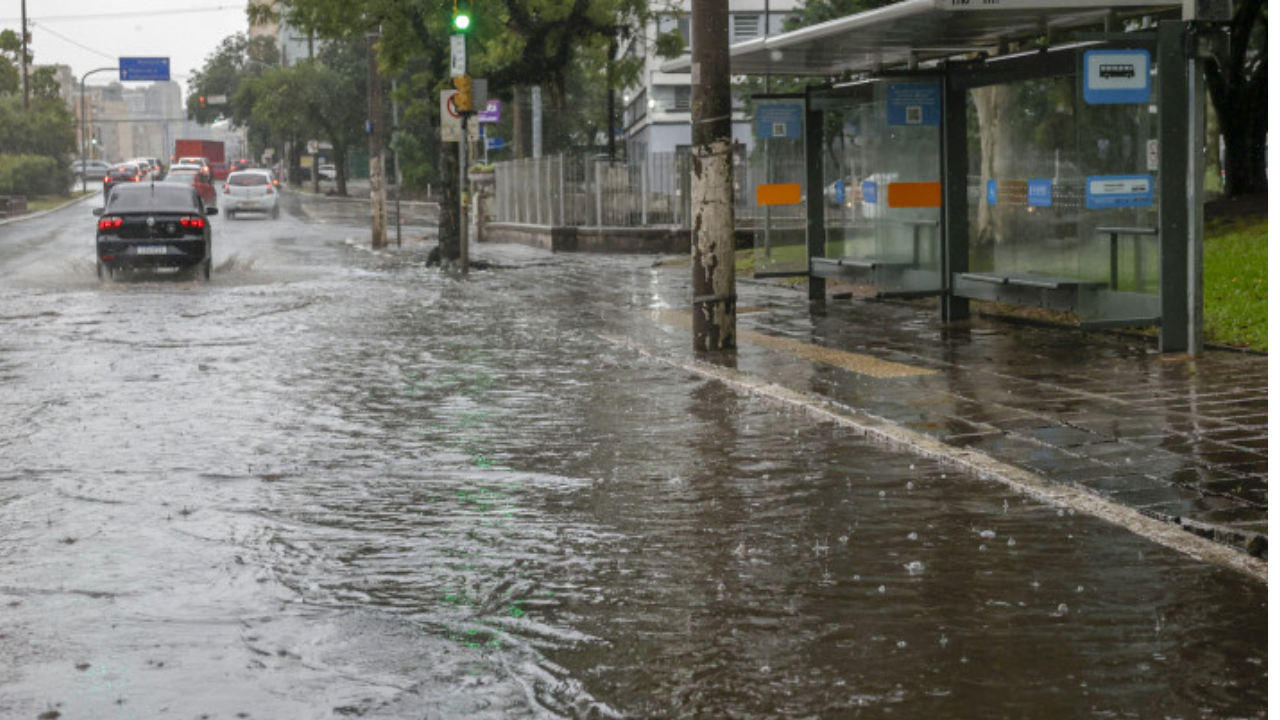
(1177, 438)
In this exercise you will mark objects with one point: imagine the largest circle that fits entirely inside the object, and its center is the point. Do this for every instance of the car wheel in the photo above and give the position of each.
(275, 212)
(99, 268)
(231, 214)
(207, 269)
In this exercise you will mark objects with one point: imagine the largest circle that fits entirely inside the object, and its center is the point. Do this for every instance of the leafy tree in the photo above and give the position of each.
(513, 43)
(36, 143)
(317, 99)
(44, 83)
(10, 62)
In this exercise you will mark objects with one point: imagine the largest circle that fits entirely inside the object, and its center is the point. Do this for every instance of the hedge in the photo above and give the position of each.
(32, 175)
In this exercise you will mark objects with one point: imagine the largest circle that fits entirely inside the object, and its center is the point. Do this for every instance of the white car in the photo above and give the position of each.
(328, 172)
(249, 191)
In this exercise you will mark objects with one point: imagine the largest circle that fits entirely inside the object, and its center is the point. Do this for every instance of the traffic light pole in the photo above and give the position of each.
(463, 251)
(84, 126)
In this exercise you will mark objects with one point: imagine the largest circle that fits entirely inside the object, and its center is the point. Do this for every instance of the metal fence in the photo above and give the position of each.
(563, 190)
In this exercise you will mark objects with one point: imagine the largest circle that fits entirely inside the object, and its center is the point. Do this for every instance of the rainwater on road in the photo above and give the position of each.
(335, 483)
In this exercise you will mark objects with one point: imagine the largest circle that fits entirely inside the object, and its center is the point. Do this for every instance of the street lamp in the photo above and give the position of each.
(84, 126)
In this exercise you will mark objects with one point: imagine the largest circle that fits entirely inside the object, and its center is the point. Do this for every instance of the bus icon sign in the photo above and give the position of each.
(1115, 77)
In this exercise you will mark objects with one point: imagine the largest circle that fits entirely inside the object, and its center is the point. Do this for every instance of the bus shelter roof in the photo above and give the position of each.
(919, 30)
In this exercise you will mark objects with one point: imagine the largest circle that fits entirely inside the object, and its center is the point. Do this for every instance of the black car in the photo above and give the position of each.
(154, 225)
(120, 174)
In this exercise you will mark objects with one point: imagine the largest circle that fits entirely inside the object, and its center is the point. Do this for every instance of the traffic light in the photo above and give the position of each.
(461, 16)
(462, 101)
(202, 102)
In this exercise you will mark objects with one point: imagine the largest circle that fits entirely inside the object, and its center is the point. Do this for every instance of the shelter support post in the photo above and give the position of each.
(955, 200)
(815, 227)
(1181, 181)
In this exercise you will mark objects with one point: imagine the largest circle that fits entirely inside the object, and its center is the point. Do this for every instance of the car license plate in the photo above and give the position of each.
(248, 203)
(151, 250)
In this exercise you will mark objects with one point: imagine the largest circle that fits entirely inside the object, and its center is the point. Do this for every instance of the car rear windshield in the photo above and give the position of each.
(248, 179)
(171, 198)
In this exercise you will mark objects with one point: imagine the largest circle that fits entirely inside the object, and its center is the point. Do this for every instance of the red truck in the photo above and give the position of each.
(212, 150)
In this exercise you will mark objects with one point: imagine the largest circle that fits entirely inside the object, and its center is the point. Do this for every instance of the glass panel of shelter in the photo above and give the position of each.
(772, 181)
(882, 187)
(1063, 208)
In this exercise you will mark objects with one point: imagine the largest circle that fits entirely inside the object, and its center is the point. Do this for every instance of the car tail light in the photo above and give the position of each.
(269, 191)
(110, 223)
(226, 189)
(195, 223)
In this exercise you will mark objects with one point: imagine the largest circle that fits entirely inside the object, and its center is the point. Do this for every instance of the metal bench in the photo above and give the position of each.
(1059, 293)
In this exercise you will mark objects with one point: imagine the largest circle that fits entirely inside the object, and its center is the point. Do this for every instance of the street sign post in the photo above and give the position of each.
(451, 120)
(144, 69)
(457, 55)
(492, 112)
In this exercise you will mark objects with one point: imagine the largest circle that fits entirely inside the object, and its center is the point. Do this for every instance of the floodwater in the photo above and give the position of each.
(331, 483)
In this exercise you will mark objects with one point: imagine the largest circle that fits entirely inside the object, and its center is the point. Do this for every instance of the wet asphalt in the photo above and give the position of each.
(335, 483)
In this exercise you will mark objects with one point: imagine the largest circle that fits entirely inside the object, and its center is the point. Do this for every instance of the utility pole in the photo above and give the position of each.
(26, 39)
(377, 176)
(714, 294)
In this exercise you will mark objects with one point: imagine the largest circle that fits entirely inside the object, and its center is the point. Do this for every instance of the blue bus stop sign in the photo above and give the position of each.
(142, 69)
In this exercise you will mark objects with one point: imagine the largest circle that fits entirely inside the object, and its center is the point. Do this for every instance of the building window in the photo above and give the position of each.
(745, 27)
(667, 23)
(683, 94)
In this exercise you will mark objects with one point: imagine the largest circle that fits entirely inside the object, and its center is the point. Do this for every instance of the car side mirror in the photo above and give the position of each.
(97, 212)
(211, 211)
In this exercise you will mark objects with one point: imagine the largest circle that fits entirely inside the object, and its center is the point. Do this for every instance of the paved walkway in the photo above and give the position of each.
(1181, 440)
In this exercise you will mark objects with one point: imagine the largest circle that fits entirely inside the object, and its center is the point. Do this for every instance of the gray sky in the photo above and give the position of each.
(91, 34)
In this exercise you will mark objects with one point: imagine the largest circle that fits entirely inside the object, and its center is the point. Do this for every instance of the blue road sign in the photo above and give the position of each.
(143, 69)
(495, 143)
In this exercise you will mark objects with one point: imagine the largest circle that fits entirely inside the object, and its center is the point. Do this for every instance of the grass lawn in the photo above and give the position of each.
(1235, 283)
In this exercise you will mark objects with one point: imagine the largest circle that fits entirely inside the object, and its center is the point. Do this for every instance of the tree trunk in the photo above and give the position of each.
(340, 168)
(1237, 85)
(714, 293)
(996, 133)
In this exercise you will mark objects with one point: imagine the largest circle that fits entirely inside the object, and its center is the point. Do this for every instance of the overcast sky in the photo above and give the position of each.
(91, 34)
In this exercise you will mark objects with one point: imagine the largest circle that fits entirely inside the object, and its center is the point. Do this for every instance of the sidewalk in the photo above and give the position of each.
(1178, 439)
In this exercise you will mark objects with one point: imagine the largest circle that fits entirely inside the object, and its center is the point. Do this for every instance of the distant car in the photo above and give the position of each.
(150, 167)
(195, 168)
(241, 164)
(157, 167)
(154, 225)
(191, 176)
(202, 162)
(250, 191)
(328, 172)
(119, 174)
(85, 170)
(220, 171)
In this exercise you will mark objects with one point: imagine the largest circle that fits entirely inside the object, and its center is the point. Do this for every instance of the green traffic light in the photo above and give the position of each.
(462, 21)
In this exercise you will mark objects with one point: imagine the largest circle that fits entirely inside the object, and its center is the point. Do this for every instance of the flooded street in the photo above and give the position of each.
(333, 483)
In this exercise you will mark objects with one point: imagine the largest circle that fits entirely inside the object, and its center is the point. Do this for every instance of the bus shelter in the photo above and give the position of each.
(1045, 154)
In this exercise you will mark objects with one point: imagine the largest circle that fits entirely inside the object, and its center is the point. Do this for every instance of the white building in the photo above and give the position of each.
(295, 46)
(655, 111)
